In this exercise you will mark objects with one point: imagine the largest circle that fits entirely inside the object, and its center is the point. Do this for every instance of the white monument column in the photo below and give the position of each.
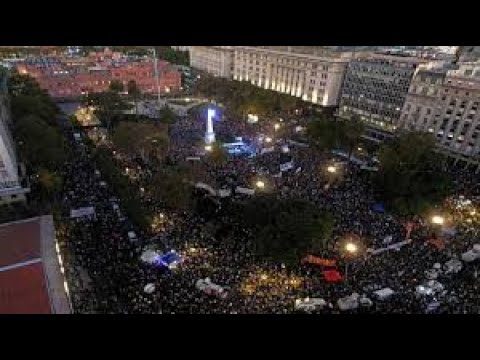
(209, 134)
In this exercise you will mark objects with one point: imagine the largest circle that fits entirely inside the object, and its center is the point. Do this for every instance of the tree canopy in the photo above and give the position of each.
(287, 229)
(411, 177)
(146, 140)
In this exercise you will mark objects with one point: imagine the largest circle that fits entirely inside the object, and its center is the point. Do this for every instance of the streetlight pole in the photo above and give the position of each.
(157, 81)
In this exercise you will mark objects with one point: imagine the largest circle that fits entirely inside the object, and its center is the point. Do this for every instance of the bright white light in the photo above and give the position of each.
(331, 169)
(438, 220)
(276, 126)
(211, 113)
(208, 147)
(351, 248)
(260, 184)
(268, 139)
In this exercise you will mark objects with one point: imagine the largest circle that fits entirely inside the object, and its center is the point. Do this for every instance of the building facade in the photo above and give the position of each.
(215, 60)
(375, 87)
(314, 74)
(446, 103)
(73, 77)
(10, 187)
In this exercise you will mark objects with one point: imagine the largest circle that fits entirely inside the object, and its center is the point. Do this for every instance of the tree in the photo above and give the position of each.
(166, 115)
(109, 107)
(411, 176)
(350, 132)
(50, 183)
(116, 86)
(217, 155)
(287, 229)
(146, 140)
(171, 187)
(134, 93)
(322, 133)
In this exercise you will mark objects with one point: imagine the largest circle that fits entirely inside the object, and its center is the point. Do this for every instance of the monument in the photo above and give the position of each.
(209, 134)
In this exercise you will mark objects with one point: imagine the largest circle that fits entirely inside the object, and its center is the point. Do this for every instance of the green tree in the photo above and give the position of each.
(50, 183)
(116, 86)
(349, 133)
(134, 93)
(217, 155)
(411, 176)
(171, 186)
(322, 133)
(285, 230)
(109, 107)
(146, 140)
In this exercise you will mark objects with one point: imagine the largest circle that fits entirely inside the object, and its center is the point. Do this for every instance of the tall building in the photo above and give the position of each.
(445, 102)
(376, 86)
(216, 60)
(10, 187)
(314, 74)
(469, 53)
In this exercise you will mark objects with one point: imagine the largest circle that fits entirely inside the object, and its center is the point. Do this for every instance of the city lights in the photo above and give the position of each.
(438, 220)
(331, 169)
(260, 184)
(351, 248)
(208, 148)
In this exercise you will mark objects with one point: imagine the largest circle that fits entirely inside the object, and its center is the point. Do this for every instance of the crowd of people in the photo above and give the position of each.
(106, 273)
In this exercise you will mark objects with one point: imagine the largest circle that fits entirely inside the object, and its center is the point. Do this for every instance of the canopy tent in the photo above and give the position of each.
(453, 266)
(286, 166)
(149, 288)
(245, 191)
(348, 302)
(384, 293)
(149, 256)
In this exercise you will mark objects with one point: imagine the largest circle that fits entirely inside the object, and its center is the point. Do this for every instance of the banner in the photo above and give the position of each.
(267, 150)
(204, 186)
(332, 276)
(246, 191)
(395, 246)
(315, 260)
(192, 158)
(82, 212)
(286, 166)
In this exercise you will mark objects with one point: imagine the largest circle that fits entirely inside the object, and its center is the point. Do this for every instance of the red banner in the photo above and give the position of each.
(315, 260)
(438, 243)
(332, 276)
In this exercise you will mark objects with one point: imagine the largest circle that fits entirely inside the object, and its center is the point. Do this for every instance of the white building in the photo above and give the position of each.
(10, 188)
(312, 73)
(216, 60)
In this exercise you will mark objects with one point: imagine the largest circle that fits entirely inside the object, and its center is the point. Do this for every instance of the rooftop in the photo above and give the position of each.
(30, 277)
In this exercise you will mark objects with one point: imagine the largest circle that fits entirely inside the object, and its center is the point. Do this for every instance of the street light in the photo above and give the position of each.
(268, 139)
(438, 220)
(208, 147)
(260, 184)
(276, 127)
(331, 169)
(351, 247)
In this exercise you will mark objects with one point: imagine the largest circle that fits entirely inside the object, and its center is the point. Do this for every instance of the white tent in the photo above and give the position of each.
(149, 288)
(365, 301)
(246, 191)
(453, 266)
(132, 236)
(384, 293)
(149, 256)
(286, 166)
(348, 302)
(470, 256)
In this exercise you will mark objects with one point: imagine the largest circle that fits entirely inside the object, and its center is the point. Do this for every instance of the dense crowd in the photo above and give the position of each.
(106, 274)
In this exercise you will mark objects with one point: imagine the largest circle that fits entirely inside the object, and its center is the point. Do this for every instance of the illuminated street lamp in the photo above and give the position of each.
(208, 148)
(268, 139)
(331, 169)
(351, 249)
(276, 127)
(260, 184)
(438, 220)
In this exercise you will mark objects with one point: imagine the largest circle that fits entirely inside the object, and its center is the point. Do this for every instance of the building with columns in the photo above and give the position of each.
(314, 74)
(215, 60)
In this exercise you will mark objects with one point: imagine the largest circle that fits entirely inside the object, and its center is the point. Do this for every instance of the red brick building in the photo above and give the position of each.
(67, 77)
